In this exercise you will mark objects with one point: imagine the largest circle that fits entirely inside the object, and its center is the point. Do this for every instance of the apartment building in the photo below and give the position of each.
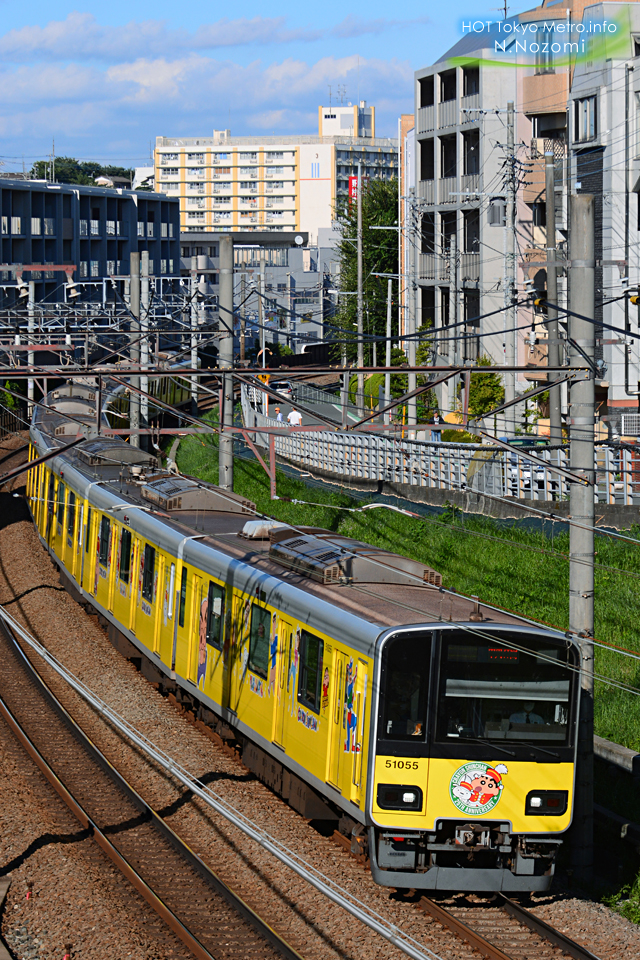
(268, 183)
(461, 169)
(94, 228)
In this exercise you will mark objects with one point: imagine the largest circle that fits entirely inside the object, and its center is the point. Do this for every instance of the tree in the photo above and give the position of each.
(70, 170)
(379, 255)
(485, 390)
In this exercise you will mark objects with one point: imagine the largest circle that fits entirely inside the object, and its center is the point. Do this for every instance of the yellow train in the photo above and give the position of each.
(439, 735)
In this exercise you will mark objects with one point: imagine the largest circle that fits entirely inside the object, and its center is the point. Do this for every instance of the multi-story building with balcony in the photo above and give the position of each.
(266, 183)
(458, 212)
(93, 228)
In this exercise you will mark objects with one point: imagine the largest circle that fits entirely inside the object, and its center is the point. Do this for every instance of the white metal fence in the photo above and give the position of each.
(447, 466)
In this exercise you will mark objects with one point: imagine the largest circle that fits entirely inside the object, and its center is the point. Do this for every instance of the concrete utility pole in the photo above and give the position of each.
(144, 342)
(243, 313)
(387, 357)
(553, 343)
(134, 351)
(582, 510)
(225, 361)
(193, 325)
(360, 379)
(452, 349)
(509, 274)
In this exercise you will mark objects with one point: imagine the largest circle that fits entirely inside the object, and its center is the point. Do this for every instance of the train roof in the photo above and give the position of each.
(352, 581)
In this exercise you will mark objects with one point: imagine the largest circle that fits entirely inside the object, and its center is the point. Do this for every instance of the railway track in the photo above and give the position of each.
(202, 911)
(502, 929)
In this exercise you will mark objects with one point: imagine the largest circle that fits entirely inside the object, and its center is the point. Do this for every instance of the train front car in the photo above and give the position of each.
(473, 757)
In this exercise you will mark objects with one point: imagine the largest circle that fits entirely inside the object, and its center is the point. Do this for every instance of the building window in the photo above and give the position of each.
(95, 268)
(470, 81)
(105, 533)
(140, 228)
(168, 158)
(36, 226)
(195, 157)
(215, 614)
(148, 572)
(427, 159)
(111, 267)
(426, 91)
(471, 144)
(5, 226)
(16, 225)
(471, 220)
(170, 266)
(125, 556)
(310, 677)
(150, 228)
(448, 158)
(163, 266)
(84, 268)
(248, 158)
(448, 85)
(585, 120)
(195, 215)
(259, 640)
(170, 172)
(544, 58)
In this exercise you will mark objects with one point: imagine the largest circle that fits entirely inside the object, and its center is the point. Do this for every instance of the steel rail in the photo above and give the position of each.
(162, 909)
(329, 888)
(544, 930)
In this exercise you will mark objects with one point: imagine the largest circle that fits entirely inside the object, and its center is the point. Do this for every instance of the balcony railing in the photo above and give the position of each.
(433, 267)
(470, 266)
(426, 190)
(470, 182)
(448, 113)
(426, 119)
(446, 187)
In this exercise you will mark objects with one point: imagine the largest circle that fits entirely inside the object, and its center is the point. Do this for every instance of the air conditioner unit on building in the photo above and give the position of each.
(268, 173)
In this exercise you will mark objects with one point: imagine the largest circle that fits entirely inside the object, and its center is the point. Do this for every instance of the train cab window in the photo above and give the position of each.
(259, 640)
(310, 678)
(405, 687)
(215, 614)
(125, 556)
(71, 513)
(60, 504)
(491, 691)
(148, 572)
(105, 533)
(183, 597)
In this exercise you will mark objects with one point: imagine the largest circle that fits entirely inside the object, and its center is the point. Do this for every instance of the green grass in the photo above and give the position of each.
(513, 573)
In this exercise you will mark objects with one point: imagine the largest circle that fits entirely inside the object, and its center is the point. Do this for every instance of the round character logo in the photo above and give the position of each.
(475, 788)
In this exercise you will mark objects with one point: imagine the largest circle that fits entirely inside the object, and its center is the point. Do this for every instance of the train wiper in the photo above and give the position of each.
(488, 743)
(551, 753)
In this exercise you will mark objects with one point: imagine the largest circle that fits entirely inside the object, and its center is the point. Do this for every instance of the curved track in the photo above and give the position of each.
(198, 907)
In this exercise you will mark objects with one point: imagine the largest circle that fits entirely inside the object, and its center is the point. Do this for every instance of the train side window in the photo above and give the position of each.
(259, 640)
(60, 508)
(404, 688)
(183, 597)
(215, 614)
(71, 513)
(105, 532)
(125, 556)
(87, 538)
(149, 570)
(310, 678)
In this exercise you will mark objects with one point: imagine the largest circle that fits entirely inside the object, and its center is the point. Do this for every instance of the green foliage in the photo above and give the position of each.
(627, 901)
(380, 255)
(70, 170)
(459, 436)
(486, 390)
(6, 399)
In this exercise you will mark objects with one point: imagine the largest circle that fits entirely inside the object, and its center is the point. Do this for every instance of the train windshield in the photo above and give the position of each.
(492, 691)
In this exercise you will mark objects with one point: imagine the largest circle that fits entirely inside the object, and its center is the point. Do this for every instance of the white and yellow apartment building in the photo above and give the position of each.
(271, 183)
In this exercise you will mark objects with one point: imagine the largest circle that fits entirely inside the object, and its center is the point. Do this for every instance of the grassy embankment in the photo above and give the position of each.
(513, 573)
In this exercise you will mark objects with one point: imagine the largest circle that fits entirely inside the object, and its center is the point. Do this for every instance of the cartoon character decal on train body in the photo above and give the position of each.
(351, 717)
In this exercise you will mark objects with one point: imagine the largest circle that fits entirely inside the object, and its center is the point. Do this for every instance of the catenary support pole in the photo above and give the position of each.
(413, 293)
(387, 362)
(263, 332)
(553, 343)
(582, 511)
(360, 321)
(31, 309)
(225, 357)
(452, 346)
(193, 327)
(509, 273)
(145, 300)
(134, 352)
(243, 313)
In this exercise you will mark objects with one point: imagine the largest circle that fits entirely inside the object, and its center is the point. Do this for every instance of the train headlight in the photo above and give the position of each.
(546, 803)
(393, 796)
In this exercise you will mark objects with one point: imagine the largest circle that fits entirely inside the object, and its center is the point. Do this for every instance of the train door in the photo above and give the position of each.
(285, 654)
(194, 630)
(113, 565)
(160, 605)
(337, 735)
(135, 585)
(50, 506)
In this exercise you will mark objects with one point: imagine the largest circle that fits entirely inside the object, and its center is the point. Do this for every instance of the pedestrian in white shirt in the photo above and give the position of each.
(294, 419)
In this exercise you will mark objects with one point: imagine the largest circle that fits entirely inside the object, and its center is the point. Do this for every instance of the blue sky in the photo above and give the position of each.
(106, 79)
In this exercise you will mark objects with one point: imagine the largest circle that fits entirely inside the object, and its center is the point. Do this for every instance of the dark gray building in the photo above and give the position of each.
(94, 228)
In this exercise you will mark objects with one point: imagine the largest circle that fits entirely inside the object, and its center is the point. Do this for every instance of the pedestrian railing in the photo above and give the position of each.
(482, 469)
